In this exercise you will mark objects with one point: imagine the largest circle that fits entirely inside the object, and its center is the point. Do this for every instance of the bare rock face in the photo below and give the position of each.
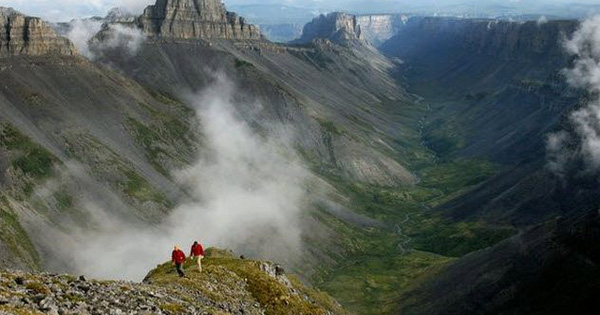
(378, 28)
(195, 19)
(336, 27)
(506, 40)
(117, 15)
(30, 36)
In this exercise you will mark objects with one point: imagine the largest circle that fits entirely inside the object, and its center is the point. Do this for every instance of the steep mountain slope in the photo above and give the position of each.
(60, 149)
(496, 90)
(551, 269)
(324, 90)
(82, 142)
(310, 102)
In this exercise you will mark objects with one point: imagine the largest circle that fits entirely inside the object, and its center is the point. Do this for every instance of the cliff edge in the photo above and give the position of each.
(30, 36)
(339, 28)
(194, 19)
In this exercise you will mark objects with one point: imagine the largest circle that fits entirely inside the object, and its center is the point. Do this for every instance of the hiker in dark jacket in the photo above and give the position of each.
(197, 253)
(178, 258)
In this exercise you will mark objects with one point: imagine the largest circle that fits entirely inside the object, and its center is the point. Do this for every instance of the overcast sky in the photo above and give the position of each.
(64, 10)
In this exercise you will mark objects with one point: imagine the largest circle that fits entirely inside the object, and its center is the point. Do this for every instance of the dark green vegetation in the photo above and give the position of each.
(138, 187)
(36, 163)
(379, 265)
(239, 63)
(28, 157)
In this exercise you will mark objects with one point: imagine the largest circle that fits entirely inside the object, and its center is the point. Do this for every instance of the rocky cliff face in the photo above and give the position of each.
(379, 28)
(519, 41)
(23, 35)
(193, 19)
(336, 27)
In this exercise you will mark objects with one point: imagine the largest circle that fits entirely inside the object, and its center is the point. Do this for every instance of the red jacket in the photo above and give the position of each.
(197, 250)
(178, 256)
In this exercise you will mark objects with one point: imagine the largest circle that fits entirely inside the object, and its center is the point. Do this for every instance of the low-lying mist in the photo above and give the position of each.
(247, 192)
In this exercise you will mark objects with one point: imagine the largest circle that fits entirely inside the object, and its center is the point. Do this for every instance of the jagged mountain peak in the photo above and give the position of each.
(193, 19)
(337, 27)
(26, 35)
(118, 15)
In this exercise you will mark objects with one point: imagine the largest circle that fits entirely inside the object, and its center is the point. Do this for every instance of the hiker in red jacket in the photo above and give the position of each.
(178, 258)
(197, 253)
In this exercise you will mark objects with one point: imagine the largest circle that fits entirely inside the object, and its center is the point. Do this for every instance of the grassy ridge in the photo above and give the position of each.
(276, 295)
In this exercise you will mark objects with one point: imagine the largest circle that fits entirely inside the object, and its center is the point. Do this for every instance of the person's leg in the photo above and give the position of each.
(179, 271)
(199, 263)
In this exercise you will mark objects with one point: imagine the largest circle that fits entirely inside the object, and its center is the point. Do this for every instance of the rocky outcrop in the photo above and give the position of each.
(117, 15)
(225, 286)
(195, 19)
(378, 28)
(30, 36)
(337, 27)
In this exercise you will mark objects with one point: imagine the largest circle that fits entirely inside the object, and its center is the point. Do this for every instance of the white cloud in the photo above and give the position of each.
(113, 37)
(584, 45)
(118, 37)
(81, 32)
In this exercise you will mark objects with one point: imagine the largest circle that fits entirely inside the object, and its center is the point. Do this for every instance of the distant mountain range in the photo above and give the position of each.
(302, 12)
